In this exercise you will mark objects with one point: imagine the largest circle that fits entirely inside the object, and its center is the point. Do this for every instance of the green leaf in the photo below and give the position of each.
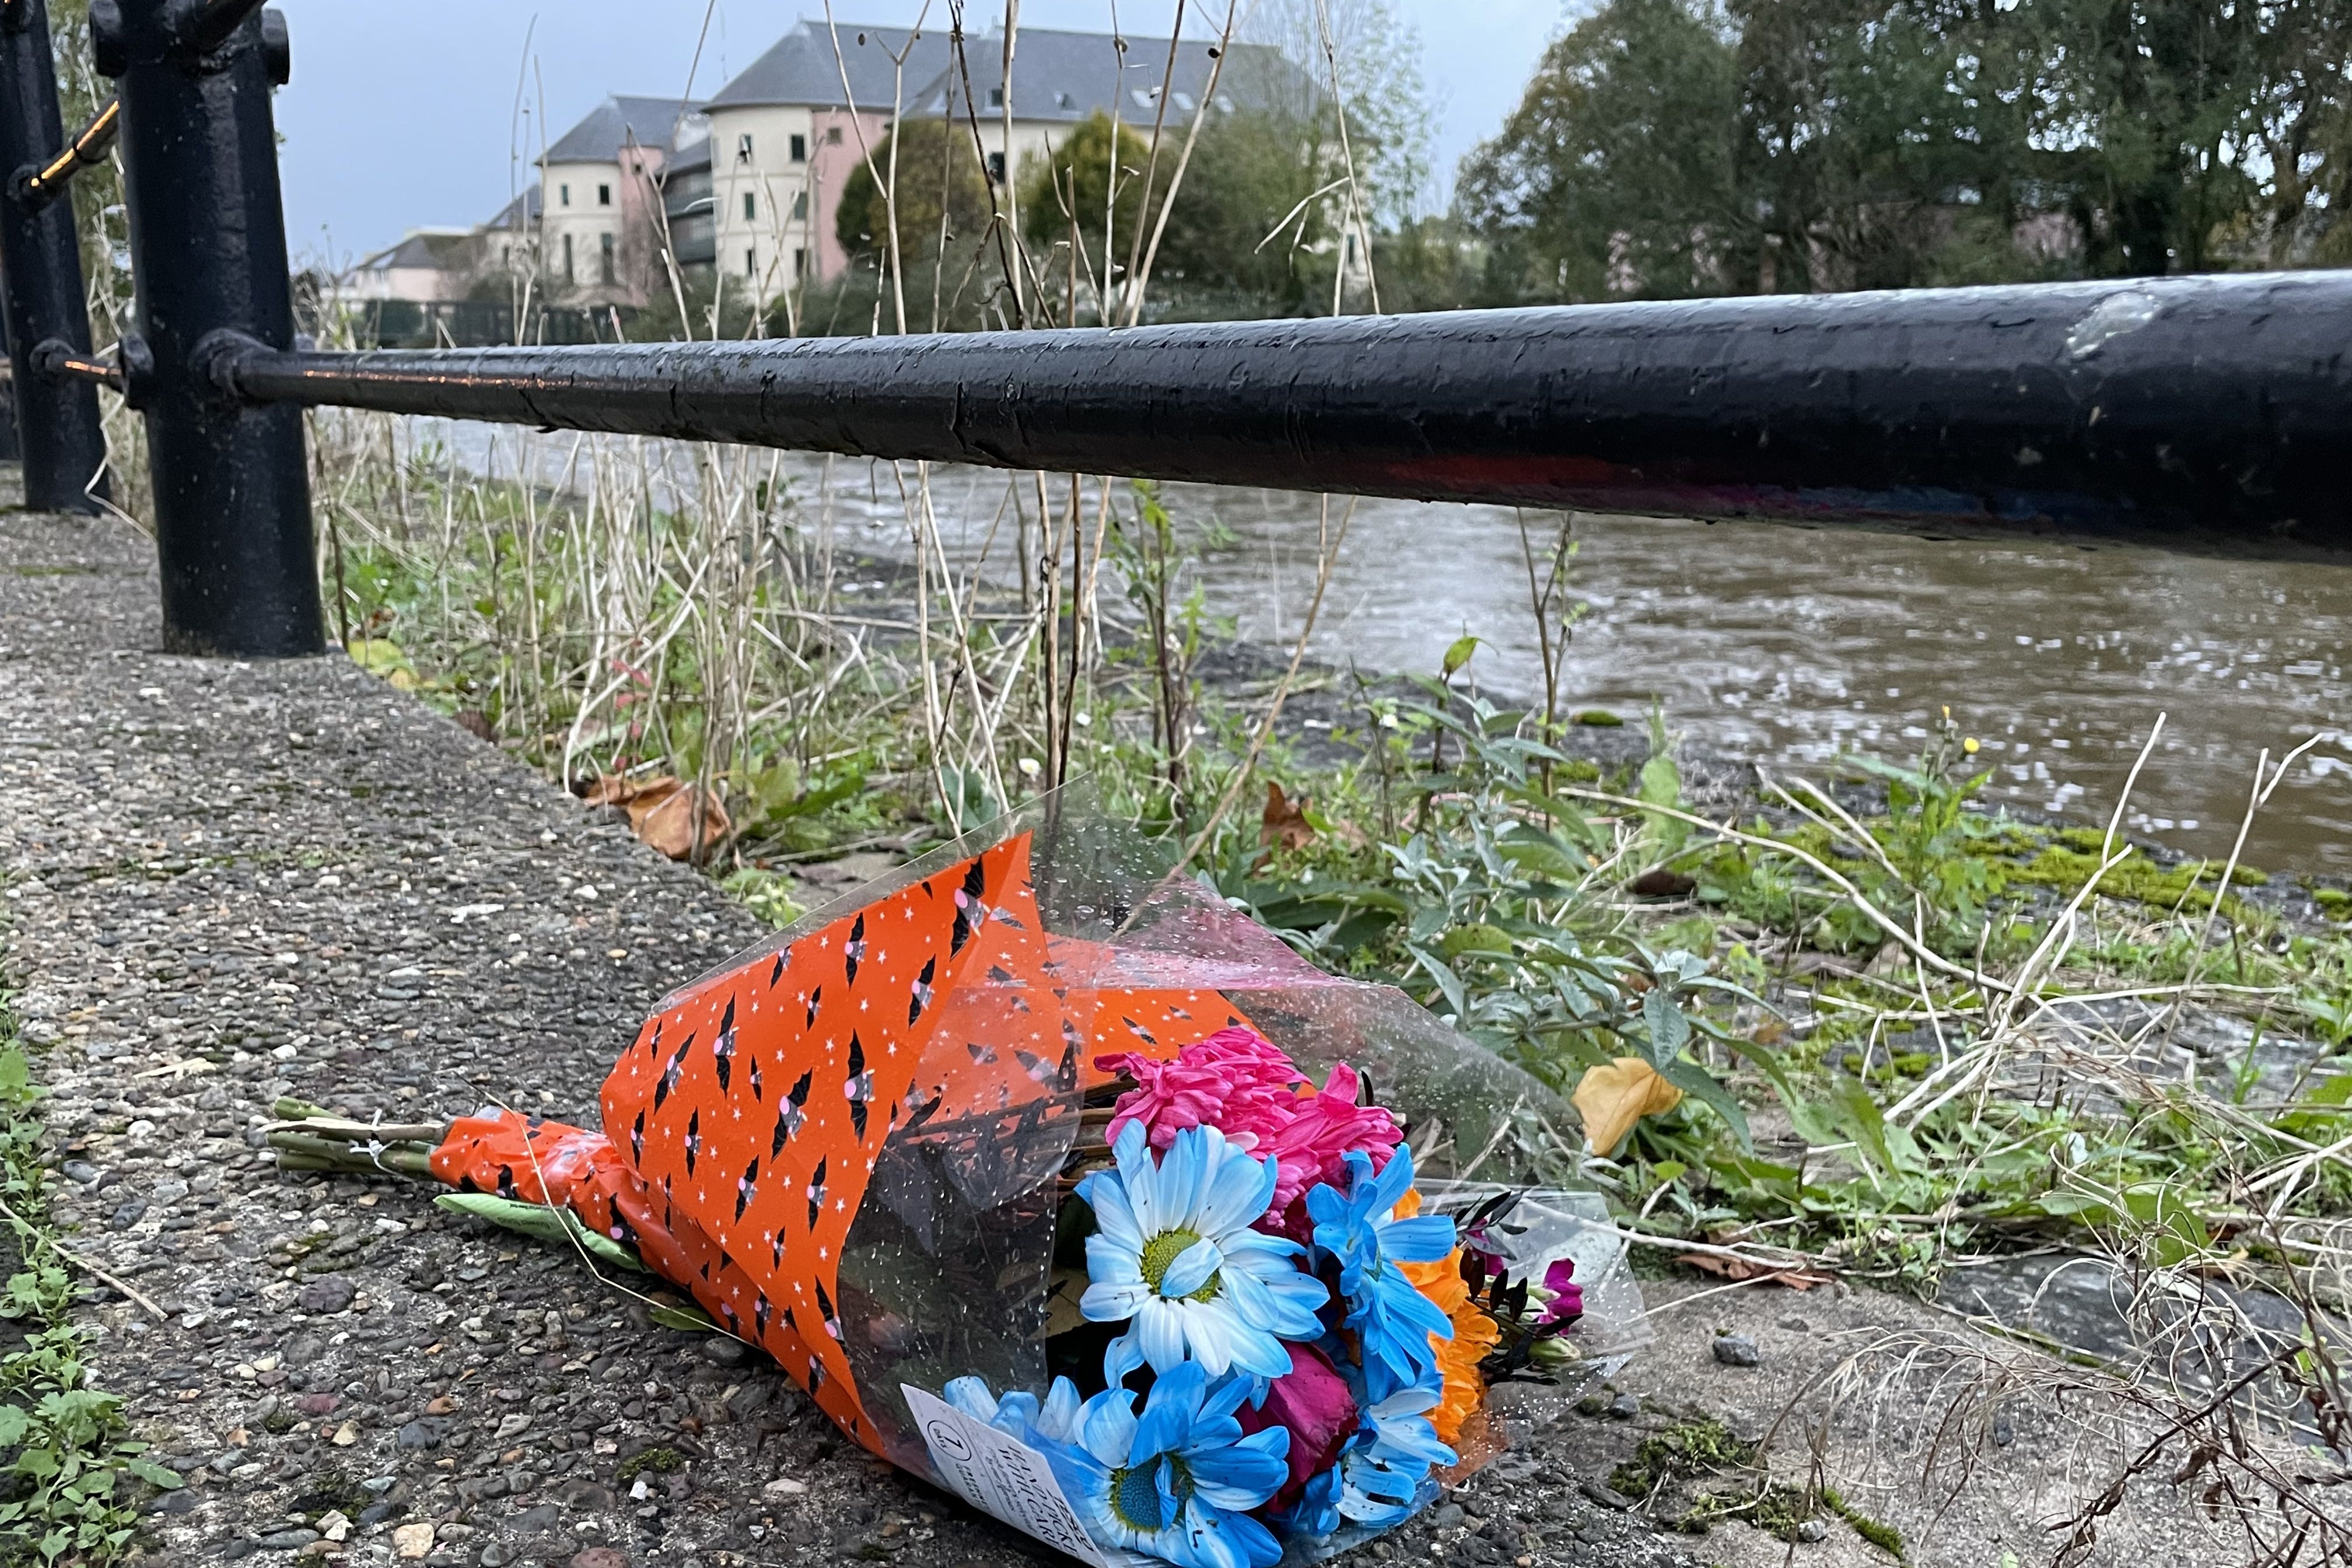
(1670, 1030)
(1459, 655)
(1700, 1084)
(1661, 784)
(1859, 1117)
(15, 1077)
(541, 1223)
(1474, 939)
(686, 1320)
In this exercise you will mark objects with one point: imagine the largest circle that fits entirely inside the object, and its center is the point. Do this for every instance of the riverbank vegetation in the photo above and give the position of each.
(1862, 1026)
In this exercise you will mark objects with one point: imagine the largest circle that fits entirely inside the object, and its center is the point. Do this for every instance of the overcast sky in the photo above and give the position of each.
(403, 116)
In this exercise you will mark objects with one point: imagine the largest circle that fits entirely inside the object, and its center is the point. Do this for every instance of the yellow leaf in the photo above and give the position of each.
(1611, 1099)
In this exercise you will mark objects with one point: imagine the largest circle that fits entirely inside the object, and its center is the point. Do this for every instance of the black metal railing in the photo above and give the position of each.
(2209, 413)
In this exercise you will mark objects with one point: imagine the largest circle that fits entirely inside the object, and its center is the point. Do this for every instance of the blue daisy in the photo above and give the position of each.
(1019, 1413)
(1173, 1252)
(1316, 1512)
(1385, 1465)
(1393, 1320)
(1179, 1480)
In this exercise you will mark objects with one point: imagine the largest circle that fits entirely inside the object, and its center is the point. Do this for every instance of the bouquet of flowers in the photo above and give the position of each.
(1055, 1180)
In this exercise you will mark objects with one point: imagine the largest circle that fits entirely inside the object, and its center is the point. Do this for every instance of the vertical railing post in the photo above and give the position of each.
(208, 247)
(63, 444)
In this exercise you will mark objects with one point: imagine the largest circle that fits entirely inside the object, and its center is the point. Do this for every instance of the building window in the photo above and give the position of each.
(604, 262)
(996, 97)
(603, 196)
(800, 149)
(568, 276)
(800, 265)
(833, 135)
(751, 262)
(743, 148)
(800, 208)
(996, 168)
(750, 206)
(564, 195)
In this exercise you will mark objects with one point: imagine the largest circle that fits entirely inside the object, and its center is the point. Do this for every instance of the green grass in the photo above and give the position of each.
(70, 1488)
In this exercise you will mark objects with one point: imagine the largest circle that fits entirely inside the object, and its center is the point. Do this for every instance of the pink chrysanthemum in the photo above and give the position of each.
(1235, 1081)
(1241, 1085)
(1325, 1125)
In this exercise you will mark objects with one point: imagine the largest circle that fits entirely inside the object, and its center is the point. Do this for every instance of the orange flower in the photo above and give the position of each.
(1474, 1333)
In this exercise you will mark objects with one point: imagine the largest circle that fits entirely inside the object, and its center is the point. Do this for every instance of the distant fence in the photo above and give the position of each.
(2206, 412)
(472, 324)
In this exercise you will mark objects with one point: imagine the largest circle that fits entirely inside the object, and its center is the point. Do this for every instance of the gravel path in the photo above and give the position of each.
(227, 882)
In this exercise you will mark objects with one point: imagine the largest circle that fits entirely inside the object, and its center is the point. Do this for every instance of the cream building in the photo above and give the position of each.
(1058, 80)
(600, 201)
(785, 135)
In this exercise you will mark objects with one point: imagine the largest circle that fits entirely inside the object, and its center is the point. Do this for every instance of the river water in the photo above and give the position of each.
(1792, 646)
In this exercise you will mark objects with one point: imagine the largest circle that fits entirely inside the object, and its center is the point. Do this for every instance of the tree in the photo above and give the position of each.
(942, 207)
(1075, 184)
(1617, 171)
(1249, 219)
(1375, 59)
(1891, 144)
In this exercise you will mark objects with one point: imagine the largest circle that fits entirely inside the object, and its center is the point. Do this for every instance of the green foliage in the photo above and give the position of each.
(766, 894)
(1074, 186)
(941, 209)
(658, 1461)
(1484, 912)
(1160, 569)
(1246, 221)
(68, 1488)
(1670, 147)
(1618, 167)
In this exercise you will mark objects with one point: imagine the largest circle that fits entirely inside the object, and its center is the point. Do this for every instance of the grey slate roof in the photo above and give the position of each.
(619, 120)
(805, 68)
(517, 213)
(1069, 76)
(441, 251)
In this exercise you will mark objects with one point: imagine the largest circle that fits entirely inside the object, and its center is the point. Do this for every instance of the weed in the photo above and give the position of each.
(1879, 1533)
(1692, 1449)
(659, 1461)
(69, 1487)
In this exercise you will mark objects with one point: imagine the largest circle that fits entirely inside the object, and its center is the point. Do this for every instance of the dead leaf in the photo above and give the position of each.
(645, 796)
(1284, 822)
(1660, 883)
(1611, 1099)
(683, 820)
(476, 723)
(1751, 1269)
(610, 789)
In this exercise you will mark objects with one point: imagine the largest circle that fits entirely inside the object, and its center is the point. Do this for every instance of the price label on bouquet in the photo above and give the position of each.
(1000, 1475)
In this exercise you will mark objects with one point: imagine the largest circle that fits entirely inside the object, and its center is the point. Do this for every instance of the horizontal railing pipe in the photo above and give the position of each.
(2209, 411)
(34, 188)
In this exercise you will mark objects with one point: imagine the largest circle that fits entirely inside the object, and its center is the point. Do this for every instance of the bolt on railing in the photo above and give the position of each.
(2204, 411)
